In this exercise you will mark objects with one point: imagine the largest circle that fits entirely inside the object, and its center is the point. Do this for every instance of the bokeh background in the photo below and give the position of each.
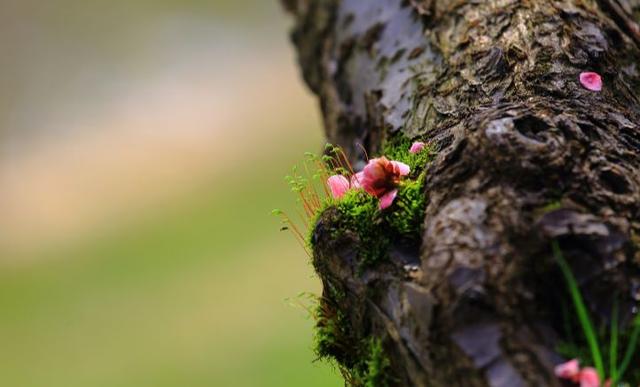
(143, 145)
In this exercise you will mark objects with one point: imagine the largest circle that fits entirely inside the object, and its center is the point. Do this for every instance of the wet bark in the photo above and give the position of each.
(493, 85)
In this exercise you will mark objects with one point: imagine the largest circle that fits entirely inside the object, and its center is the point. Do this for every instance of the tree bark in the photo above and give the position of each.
(493, 86)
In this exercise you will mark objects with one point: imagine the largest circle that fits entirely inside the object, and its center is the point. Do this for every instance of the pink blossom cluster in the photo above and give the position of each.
(586, 377)
(380, 178)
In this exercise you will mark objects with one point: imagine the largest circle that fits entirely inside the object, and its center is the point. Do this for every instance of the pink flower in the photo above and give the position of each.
(355, 180)
(387, 199)
(588, 377)
(380, 178)
(417, 147)
(339, 185)
(591, 81)
(569, 370)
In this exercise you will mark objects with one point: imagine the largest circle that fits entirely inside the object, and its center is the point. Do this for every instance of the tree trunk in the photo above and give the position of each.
(493, 86)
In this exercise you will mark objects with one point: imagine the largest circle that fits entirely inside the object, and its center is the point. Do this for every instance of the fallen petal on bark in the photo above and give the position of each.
(591, 81)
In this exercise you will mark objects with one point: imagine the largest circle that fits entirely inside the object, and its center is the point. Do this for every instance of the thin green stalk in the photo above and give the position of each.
(581, 310)
(631, 349)
(613, 343)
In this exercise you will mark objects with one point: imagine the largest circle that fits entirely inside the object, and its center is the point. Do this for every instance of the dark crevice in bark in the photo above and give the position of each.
(622, 13)
(493, 84)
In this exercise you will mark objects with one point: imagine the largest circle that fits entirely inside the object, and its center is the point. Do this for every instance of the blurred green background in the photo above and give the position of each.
(143, 145)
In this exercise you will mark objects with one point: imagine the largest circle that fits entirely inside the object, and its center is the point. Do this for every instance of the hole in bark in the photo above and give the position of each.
(615, 182)
(616, 38)
(590, 130)
(457, 153)
(531, 127)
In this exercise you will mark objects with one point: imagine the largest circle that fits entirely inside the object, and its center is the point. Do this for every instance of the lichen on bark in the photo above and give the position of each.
(493, 86)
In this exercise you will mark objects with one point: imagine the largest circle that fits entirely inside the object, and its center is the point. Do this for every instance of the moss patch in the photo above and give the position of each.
(363, 363)
(362, 360)
(377, 366)
(407, 214)
(397, 148)
(332, 334)
(359, 212)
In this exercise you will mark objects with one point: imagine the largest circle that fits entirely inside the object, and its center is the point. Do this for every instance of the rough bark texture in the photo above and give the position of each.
(493, 84)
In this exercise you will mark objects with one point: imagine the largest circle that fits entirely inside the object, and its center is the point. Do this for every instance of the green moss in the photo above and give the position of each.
(359, 212)
(397, 148)
(407, 214)
(333, 335)
(554, 205)
(377, 365)
(313, 221)
(362, 362)
(373, 368)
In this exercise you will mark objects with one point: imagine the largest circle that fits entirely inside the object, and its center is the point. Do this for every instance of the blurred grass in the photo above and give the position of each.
(191, 295)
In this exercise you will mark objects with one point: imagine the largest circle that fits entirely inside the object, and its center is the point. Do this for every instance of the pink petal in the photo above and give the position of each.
(402, 168)
(387, 199)
(373, 176)
(591, 81)
(339, 185)
(417, 147)
(357, 179)
(568, 370)
(589, 378)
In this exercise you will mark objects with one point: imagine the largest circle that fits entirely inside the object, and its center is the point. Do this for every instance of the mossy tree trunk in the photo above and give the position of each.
(525, 155)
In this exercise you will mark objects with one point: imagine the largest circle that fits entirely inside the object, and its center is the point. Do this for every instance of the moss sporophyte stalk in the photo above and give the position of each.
(380, 204)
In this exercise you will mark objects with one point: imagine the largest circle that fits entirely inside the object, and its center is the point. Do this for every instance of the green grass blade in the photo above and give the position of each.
(581, 310)
(631, 349)
(613, 343)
